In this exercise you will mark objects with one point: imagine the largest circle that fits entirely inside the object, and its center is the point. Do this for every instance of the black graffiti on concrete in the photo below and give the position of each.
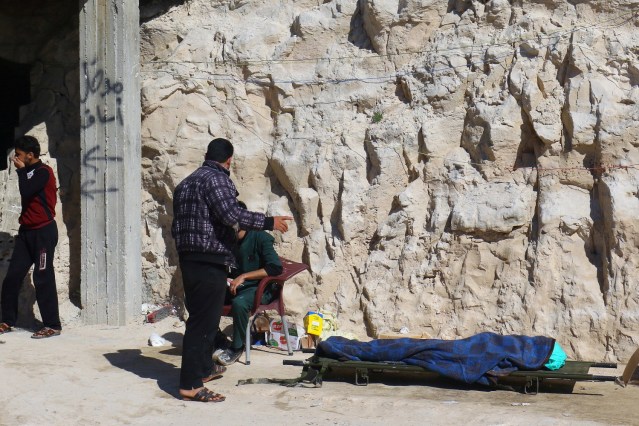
(103, 117)
(96, 84)
(88, 189)
(89, 160)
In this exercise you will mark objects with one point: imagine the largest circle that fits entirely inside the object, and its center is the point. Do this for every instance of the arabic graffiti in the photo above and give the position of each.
(96, 84)
(89, 159)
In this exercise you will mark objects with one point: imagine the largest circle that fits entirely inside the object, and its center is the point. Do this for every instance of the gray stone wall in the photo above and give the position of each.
(44, 36)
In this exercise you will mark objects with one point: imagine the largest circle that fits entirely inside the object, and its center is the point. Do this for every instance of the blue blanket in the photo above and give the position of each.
(471, 360)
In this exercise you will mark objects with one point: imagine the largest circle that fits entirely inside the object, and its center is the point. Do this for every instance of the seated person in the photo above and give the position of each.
(256, 259)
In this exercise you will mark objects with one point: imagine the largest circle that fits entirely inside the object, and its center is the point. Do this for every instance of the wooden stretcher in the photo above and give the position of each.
(563, 380)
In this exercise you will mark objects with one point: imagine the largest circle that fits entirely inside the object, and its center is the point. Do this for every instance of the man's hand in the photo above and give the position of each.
(235, 284)
(279, 223)
(18, 163)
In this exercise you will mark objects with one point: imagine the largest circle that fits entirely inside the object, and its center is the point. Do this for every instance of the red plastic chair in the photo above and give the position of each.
(290, 269)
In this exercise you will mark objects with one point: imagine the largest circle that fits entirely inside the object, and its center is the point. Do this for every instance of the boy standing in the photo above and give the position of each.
(36, 241)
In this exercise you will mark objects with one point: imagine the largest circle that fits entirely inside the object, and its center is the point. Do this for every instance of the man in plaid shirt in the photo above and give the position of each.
(206, 218)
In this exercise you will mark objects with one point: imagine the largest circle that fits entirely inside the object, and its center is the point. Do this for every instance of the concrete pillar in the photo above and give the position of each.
(110, 161)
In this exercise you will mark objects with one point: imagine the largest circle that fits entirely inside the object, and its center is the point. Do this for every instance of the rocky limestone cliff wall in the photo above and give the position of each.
(453, 167)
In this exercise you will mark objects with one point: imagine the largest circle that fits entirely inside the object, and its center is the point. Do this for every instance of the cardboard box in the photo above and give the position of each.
(308, 342)
(277, 338)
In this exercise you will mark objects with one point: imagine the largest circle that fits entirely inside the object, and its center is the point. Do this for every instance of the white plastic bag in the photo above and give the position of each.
(157, 340)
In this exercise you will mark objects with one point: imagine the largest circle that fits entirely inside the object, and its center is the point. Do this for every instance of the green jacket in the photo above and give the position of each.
(256, 252)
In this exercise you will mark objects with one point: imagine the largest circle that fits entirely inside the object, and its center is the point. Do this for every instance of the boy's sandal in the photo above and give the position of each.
(205, 395)
(4, 328)
(217, 372)
(45, 332)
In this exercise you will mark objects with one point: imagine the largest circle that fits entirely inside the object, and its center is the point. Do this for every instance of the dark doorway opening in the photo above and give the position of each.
(15, 87)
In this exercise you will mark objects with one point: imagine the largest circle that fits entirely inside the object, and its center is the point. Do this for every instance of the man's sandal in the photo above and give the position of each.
(217, 372)
(45, 332)
(205, 395)
(5, 328)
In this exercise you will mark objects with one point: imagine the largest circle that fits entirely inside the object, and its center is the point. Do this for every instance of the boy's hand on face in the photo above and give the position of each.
(18, 163)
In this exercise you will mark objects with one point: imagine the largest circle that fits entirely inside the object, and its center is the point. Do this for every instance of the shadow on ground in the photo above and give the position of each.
(133, 360)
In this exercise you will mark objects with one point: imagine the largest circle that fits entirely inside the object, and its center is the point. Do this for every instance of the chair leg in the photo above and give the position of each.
(288, 340)
(247, 346)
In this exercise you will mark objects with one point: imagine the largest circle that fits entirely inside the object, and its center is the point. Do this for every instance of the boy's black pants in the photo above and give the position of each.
(33, 247)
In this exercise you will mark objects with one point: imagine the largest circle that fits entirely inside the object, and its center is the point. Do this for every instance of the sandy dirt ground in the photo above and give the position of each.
(100, 375)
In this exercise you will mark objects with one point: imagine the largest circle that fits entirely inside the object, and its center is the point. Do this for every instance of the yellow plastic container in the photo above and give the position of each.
(313, 323)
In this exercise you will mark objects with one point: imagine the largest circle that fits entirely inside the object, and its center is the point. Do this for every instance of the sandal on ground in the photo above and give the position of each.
(5, 328)
(45, 332)
(204, 395)
(217, 372)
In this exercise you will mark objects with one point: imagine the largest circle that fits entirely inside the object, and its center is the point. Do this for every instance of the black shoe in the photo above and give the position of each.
(229, 356)
(221, 340)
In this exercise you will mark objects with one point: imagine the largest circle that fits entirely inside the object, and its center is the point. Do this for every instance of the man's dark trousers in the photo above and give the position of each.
(204, 290)
(33, 247)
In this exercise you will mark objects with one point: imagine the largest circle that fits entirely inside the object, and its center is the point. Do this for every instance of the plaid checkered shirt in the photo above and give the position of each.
(206, 215)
